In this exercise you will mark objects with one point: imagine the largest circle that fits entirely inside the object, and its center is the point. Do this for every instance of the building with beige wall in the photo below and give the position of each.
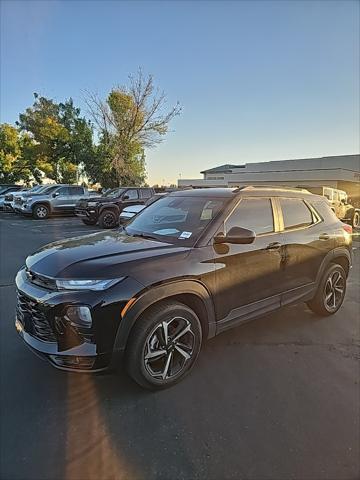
(342, 172)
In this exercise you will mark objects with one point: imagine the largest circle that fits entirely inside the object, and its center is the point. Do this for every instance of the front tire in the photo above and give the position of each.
(108, 219)
(330, 293)
(163, 345)
(41, 211)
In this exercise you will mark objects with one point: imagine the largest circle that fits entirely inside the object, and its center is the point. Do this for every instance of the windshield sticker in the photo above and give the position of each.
(185, 235)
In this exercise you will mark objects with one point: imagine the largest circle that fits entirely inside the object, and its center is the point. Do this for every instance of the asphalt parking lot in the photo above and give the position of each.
(275, 399)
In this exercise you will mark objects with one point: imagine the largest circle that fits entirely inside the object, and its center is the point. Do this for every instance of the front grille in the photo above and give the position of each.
(9, 198)
(33, 318)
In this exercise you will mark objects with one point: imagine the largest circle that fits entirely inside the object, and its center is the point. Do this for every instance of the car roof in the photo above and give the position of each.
(250, 190)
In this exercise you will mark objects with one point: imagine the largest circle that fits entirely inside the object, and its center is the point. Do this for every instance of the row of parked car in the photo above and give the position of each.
(115, 206)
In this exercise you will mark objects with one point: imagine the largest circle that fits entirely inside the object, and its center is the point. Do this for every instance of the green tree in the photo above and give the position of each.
(16, 155)
(130, 120)
(62, 138)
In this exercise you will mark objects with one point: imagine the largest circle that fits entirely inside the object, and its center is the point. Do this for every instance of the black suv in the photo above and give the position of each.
(107, 208)
(186, 268)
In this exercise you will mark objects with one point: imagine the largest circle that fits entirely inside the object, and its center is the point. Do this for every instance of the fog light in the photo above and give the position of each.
(79, 315)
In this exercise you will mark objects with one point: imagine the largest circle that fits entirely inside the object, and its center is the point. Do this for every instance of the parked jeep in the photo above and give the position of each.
(346, 210)
(107, 208)
(54, 199)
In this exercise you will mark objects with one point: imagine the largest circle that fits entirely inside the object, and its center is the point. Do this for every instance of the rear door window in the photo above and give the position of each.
(63, 191)
(254, 214)
(296, 213)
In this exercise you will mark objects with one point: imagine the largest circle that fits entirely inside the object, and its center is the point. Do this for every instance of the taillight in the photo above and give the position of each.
(348, 228)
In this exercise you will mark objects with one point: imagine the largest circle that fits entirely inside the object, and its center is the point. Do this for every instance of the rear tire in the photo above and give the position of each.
(108, 219)
(163, 345)
(87, 221)
(330, 293)
(41, 211)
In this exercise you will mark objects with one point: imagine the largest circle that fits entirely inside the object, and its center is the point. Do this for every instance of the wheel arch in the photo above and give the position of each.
(341, 256)
(192, 293)
(44, 202)
(344, 261)
(109, 206)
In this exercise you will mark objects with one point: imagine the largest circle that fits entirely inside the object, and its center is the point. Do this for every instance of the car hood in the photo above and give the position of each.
(100, 255)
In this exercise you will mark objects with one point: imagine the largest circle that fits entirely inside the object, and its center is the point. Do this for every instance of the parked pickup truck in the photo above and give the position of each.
(107, 208)
(5, 189)
(9, 200)
(53, 200)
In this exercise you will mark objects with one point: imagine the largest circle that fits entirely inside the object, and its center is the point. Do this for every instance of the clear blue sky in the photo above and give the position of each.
(258, 80)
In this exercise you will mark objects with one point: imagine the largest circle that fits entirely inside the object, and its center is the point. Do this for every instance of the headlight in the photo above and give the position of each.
(86, 284)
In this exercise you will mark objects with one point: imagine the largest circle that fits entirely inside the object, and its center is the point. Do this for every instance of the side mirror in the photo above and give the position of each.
(236, 235)
(126, 197)
(56, 194)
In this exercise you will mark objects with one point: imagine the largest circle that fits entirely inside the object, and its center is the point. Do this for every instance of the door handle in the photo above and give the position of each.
(273, 246)
(324, 236)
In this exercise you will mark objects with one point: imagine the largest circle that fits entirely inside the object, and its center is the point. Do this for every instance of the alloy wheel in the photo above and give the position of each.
(41, 212)
(334, 290)
(108, 220)
(169, 347)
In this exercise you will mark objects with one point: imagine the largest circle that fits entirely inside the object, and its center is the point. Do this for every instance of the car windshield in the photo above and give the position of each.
(46, 189)
(37, 188)
(114, 193)
(175, 219)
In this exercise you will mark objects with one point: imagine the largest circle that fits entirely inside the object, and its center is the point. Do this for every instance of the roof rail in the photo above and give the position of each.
(272, 187)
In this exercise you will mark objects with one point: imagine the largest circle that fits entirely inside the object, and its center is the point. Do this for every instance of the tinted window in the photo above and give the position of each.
(76, 190)
(63, 191)
(132, 194)
(295, 213)
(145, 193)
(328, 193)
(254, 214)
(114, 193)
(46, 190)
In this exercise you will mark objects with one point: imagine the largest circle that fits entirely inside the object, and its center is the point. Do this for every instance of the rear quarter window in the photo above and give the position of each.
(296, 213)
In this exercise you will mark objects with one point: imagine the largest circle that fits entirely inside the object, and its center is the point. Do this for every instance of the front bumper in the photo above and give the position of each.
(25, 209)
(90, 214)
(46, 331)
(8, 207)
